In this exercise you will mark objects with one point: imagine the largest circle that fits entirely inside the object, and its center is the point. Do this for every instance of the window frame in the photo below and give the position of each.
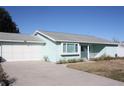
(65, 48)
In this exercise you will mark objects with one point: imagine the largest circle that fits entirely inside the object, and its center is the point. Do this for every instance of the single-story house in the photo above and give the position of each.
(64, 46)
(54, 46)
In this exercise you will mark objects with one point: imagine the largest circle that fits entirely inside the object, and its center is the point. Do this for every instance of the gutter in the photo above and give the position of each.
(21, 41)
(87, 42)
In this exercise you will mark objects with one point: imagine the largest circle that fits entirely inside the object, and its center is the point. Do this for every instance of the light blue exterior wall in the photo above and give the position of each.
(54, 51)
(50, 50)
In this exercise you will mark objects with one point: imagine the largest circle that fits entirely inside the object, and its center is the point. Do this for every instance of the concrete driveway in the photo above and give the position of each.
(41, 73)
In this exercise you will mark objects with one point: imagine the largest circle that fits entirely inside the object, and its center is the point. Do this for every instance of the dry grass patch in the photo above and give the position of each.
(113, 69)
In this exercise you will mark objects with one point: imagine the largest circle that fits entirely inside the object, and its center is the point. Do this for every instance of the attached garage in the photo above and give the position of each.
(18, 47)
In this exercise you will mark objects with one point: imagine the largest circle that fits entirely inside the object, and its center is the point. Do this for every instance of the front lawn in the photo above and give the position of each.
(113, 69)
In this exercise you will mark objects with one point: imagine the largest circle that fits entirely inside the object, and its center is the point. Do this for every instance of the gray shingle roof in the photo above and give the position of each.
(13, 37)
(67, 37)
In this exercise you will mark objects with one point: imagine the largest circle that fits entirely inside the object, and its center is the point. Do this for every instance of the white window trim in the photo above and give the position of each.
(66, 53)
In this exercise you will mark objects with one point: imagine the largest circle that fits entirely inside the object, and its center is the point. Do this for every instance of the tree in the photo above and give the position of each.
(6, 23)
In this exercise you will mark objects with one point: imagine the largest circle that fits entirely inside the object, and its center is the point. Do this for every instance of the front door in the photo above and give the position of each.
(84, 52)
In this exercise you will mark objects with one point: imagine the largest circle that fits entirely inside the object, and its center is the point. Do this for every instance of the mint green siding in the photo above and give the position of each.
(50, 50)
(55, 51)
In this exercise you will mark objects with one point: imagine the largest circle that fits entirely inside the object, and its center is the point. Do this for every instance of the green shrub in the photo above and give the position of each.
(80, 59)
(62, 61)
(69, 61)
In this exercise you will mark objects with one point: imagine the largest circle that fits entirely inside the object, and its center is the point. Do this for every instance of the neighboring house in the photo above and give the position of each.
(64, 46)
(18, 47)
(120, 49)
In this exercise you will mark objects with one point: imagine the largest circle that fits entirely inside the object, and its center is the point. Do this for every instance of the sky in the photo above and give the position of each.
(104, 22)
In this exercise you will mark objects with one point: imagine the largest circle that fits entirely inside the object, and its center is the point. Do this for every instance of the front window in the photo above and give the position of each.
(70, 48)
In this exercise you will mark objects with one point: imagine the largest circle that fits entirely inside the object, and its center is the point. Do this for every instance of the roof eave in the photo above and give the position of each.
(44, 35)
(21, 41)
(86, 42)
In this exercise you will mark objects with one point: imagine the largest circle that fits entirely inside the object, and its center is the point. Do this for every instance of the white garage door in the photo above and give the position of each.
(21, 52)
